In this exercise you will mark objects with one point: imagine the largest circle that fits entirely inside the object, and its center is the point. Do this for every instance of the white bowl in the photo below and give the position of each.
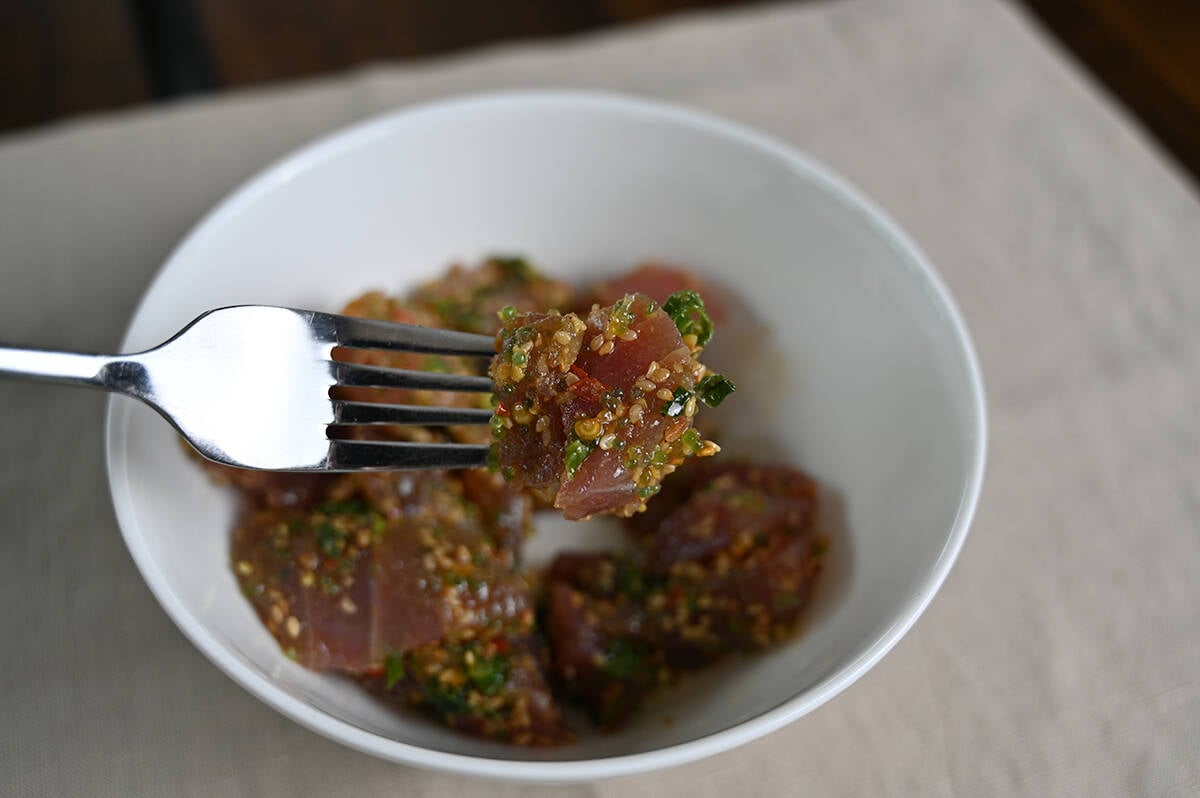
(858, 369)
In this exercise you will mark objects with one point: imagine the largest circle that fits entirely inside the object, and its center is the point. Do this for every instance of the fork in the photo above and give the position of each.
(249, 386)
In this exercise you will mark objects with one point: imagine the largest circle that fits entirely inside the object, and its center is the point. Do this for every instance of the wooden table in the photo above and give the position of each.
(63, 57)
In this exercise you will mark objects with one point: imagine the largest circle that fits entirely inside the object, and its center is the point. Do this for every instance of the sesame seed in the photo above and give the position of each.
(628, 335)
(596, 342)
(348, 606)
(244, 568)
(307, 579)
(543, 424)
(277, 613)
(606, 348)
(635, 413)
(607, 441)
(664, 394)
(293, 626)
(517, 373)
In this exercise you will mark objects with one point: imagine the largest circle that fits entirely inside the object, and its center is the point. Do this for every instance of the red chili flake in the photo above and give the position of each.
(589, 389)
(501, 410)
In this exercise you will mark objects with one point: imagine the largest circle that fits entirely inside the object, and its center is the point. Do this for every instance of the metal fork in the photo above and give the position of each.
(249, 386)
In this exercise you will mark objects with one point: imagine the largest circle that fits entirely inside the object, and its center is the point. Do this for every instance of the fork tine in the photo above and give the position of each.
(374, 334)
(380, 455)
(370, 413)
(380, 377)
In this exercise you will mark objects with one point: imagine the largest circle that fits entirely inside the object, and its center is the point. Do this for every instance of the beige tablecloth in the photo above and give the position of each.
(1062, 657)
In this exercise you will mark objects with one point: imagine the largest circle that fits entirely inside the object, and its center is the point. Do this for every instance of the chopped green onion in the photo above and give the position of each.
(623, 660)
(436, 364)
(577, 452)
(713, 389)
(686, 309)
(344, 507)
(331, 540)
(647, 491)
(622, 313)
(691, 439)
(507, 313)
(447, 699)
(488, 674)
(393, 667)
(630, 581)
(678, 402)
(497, 425)
(514, 267)
(786, 601)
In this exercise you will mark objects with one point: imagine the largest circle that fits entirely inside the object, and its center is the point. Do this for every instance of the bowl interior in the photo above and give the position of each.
(849, 362)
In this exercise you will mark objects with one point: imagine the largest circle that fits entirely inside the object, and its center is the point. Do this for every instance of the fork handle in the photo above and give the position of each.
(68, 368)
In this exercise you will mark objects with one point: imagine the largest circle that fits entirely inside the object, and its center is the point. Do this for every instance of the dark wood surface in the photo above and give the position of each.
(309, 38)
(63, 57)
(1147, 53)
(59, 58)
